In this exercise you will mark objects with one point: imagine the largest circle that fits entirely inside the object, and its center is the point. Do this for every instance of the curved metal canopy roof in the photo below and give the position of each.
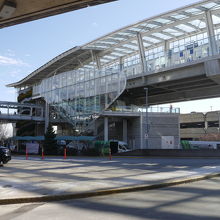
(170, 26)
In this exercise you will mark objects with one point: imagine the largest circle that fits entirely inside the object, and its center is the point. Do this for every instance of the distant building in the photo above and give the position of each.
(197, 125)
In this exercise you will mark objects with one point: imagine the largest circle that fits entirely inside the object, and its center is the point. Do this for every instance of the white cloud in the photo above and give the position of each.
(11, 91)
(11, 61)
(94, 24)
(10, 53)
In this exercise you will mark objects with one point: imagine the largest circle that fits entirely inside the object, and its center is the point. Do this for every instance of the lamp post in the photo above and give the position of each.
(146, 128)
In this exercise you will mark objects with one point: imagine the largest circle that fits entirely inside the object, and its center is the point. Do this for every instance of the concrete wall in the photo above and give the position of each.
(163, 125)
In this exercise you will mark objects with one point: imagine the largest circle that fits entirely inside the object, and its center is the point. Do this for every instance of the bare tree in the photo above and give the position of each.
(4, 131)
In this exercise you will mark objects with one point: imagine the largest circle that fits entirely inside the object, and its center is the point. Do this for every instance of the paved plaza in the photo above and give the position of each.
(34, 177)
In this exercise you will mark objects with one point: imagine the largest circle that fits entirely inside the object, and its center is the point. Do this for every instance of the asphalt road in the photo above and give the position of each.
(199, 200)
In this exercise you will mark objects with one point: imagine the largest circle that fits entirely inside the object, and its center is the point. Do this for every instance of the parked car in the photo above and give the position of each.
(5, 155)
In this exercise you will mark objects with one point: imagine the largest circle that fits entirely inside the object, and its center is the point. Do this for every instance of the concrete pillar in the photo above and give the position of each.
(46, 117)
(105, 128)
(141, 132)
(142, 52)
(125, 130)
(213, 48)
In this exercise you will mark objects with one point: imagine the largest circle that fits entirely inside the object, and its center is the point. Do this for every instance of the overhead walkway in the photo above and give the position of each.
(14, 111)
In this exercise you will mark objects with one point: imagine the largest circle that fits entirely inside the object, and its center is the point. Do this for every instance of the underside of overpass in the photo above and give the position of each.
(19, 11)
(183, 83)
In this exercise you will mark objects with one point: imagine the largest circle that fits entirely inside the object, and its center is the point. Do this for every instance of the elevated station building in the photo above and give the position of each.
(102, 84)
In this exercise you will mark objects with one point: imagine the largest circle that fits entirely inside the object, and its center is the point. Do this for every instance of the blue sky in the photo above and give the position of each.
(27, 46)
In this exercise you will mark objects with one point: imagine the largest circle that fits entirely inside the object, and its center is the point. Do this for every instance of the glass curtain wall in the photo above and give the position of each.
(81, 95)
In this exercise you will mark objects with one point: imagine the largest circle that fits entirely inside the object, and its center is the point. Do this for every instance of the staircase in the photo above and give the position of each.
(82, 117)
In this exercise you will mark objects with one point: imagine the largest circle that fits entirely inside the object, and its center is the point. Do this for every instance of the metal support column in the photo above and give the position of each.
(142, 53)
(147, 123)
(141, 132)
(46, 117)
(166, 53)
(98, 62)
(213, 48)
(120, 63)
(125, 130)
(105, 128)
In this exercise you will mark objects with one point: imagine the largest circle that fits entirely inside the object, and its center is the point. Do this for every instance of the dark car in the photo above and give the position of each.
(5, 155)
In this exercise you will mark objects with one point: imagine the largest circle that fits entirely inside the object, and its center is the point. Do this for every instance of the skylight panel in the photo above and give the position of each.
(109, 57)
(216, 19)
(146, 44)
(160, 35)
(198, 23)
(118, 54)
(101, 46)
(193, 11)
(103, 60)
(124, 33)
(131, 46)
(163, 21)
(209, 5)
(173, 32)
(152, 25)
(138, 29)
(122, 49)
(185, 28)
(107, 42)
(179, 16)
(118, 38)
(153, 40)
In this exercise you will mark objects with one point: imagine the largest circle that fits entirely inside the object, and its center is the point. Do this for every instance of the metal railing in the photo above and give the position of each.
(136, 109)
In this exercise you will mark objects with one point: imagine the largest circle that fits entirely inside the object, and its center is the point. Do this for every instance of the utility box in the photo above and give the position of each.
(167, 142)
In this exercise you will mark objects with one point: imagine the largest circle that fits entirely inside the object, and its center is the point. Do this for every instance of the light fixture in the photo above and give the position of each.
(7, 9)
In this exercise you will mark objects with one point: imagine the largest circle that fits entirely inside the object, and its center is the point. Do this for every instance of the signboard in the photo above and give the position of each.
(32, 148)
(146, 136)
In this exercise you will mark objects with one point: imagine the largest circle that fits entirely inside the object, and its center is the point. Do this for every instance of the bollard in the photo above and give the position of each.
(65, 153)
(42, 154)
(110, 154)
(26, 153)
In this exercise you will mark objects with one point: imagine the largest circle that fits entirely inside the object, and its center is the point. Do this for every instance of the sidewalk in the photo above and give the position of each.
(52, 177)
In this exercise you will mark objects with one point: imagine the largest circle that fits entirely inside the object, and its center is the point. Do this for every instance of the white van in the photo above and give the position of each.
(118, 146)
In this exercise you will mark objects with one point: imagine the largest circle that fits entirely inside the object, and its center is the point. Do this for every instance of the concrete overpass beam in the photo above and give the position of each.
(212, 69)
(213, 48)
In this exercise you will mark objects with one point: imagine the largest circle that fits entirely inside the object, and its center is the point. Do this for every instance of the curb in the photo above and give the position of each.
(106, 192)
